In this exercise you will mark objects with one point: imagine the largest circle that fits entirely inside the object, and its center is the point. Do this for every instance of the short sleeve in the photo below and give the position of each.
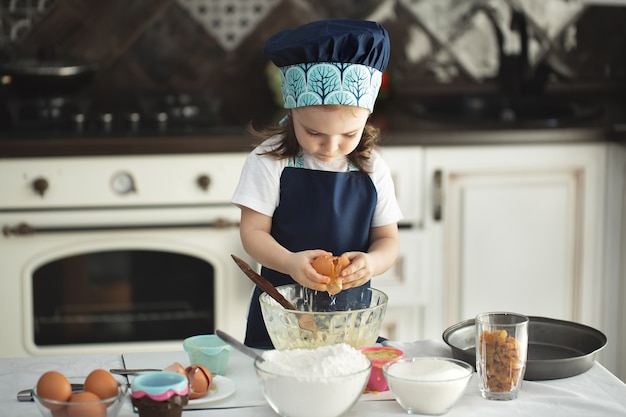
(387, 208)
(259, 183)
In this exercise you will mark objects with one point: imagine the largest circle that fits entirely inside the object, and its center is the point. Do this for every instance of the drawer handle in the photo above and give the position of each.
(204, 181)
(40, 185)
(438, 195)
(399, 268)
(25, 229)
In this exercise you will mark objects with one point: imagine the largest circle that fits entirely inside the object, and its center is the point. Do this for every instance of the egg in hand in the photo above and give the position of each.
(331, 266)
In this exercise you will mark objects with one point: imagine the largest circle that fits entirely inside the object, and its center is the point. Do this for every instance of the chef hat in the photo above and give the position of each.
(330, 62)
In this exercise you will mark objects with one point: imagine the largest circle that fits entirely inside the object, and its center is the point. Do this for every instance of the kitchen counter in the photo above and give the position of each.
(237, 140)
(596, 392)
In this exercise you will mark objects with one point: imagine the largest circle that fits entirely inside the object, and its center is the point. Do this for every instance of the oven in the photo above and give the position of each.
(118, 253)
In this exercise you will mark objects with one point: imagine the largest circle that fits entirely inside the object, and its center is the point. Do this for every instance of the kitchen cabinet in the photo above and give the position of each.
(523, 228)
(404, 285)
(515, 228)
(404, 281)
(614, 260)
(536, 228)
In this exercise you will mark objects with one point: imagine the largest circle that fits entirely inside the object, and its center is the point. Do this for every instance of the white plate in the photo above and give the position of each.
(221, 388)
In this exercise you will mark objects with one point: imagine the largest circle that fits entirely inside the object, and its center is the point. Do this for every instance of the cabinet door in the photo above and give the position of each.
(406, 166)
(515, 228)
(404, 281)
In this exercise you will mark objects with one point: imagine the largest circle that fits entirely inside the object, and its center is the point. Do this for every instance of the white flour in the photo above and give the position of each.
(326, 381)
(326, 361)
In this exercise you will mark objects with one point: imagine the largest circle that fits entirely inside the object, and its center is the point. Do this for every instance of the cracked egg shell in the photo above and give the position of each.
(331, 266)
(176, 367)
(200, 380)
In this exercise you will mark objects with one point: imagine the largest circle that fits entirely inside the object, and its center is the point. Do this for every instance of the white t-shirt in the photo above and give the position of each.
(259, 184)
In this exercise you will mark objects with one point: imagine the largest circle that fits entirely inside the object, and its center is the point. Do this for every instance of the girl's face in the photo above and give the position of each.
(329, 132)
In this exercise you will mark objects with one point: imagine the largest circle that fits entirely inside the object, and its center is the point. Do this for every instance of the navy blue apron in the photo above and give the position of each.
(317, 210)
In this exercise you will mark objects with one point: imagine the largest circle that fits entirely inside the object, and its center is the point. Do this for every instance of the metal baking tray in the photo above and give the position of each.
(556, 348)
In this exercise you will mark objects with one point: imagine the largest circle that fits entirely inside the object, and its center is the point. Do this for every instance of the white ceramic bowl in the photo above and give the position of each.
(354, 317)
(429, 385)
(296, 396)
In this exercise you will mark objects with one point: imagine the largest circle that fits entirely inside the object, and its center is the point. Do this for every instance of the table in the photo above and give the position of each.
(597, 392)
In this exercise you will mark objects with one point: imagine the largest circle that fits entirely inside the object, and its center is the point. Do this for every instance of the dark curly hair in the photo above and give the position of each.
(289, 147)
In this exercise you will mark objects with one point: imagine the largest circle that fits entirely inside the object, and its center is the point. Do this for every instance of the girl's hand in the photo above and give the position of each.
(301, 270)
(358, 272)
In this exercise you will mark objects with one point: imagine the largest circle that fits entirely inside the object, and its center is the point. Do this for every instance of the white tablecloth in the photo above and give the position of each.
(597, 392)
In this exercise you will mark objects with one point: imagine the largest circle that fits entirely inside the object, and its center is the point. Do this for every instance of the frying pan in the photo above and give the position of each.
(556, 348)
(48, 75)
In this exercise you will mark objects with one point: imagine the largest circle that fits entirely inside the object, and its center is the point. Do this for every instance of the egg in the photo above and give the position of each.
(200, 380)
(53, 385)
(101, 383)
(83, 405)
(331, 266)
(61, 412)
(175, 367)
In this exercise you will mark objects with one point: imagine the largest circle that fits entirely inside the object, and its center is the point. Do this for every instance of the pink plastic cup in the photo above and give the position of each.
(380, 355)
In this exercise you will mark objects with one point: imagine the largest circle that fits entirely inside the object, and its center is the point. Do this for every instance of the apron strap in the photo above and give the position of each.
(298, 162)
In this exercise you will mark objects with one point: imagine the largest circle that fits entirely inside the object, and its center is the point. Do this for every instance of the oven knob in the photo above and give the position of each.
(133, 119)
(79, 122)
(204, 181)
(106, 121)
(40, 185)
(123, 183)
(161, 119)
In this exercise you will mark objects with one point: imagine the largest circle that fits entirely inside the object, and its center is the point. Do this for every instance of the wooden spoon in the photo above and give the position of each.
(306, 321)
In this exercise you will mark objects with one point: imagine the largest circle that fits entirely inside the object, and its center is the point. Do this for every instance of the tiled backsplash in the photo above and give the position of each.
(216, 45)
(17, 17)
(464, 31)
(229, 21)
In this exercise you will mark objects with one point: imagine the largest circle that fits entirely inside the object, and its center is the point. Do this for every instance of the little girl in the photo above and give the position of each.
(316, 185)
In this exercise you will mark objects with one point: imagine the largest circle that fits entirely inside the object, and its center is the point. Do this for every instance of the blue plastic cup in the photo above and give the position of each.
(208, 350)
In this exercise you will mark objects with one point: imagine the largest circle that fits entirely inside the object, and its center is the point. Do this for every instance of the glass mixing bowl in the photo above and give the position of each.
(108, 407)
(354, 316)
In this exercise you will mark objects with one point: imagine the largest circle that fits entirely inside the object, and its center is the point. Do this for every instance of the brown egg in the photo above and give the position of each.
(82, 406)
(200, 380)
(331, 266)
(101, 383)
(175, 367)
(55, 386)
(61, 412)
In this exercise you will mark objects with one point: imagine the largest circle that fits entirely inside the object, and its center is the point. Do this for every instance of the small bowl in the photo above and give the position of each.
(380, 355)
(158, 393)
(353, 316)
(109, 407)
(297, 396)
(428, 385)
(208, 350)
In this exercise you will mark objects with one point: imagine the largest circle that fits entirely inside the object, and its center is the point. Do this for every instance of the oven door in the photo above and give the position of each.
(119, 288)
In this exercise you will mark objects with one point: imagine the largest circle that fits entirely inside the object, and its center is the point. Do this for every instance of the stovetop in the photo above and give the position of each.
(79, 116)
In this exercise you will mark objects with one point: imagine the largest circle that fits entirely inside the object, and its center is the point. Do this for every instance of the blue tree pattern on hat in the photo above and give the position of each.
(330, 83)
